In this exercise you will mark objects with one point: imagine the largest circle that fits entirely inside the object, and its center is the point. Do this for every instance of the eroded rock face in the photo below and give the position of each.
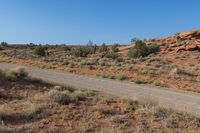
(184, 41)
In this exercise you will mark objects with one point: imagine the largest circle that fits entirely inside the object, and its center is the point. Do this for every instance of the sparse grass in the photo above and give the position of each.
(33, 112)
(109, 76)
(121, 77)
(196, 90)
(90, 93)
(162, 112)
(105, 110)
(139, 81)
(55, 105)
(147, 103)
(160, 84)
(59, 97)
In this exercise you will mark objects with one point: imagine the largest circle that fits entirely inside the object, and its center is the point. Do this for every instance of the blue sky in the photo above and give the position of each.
(110, 21)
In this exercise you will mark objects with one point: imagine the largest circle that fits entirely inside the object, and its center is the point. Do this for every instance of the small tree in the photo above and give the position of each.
(103, 48)
(95, 48)
(91, 47)
(40, 50)
(134, 40)
(4, 44)
(140, 50)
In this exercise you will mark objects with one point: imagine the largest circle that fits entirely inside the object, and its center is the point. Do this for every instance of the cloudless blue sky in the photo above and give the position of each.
(110, 21)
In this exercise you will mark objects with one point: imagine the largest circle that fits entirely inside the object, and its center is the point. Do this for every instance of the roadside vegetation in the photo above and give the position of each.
(4, 44)
(32, 105)
(151, 60)
(40, 50)
(142, 50)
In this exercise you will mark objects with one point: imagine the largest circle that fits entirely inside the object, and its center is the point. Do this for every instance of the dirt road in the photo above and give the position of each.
(183, 101)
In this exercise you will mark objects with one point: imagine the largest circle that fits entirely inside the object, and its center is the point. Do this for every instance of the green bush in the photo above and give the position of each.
(108, 76)
(112, 55)
(115, 48)
(140, 81)
(134, 39)
(153, 48)
(4, 44)
(103, 48)
(82, 51)
(66, 48)
(140, 50)
(121, 77)
(92, 47)
(160, 84)
(40, 50)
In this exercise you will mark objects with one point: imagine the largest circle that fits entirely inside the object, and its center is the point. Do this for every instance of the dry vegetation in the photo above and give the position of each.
(31, 105)
(173, 61)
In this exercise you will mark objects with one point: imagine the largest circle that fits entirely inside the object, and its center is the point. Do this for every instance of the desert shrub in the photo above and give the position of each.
(178, 71)
(103, 48)
(121, 77)
(140, 50)
(153, 48)
(66, 48)
(84, 62)
(90, 93)
(40, 50)
(134, 39)
(139, 81)
(105, 110)
(112, 55)
(119, 59)
(33, 112)
(4, 44)
(20, 72)
(92, 47)
(115, 48)
(16, 73)
(147, 103)
(160, 84)
(9, 75)
(108, 76)
(83, 51)
(59, 97)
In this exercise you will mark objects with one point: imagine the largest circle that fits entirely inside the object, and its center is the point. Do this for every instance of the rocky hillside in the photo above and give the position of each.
(184, 41)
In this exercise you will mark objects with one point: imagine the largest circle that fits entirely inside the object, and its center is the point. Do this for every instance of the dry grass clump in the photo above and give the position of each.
(34, 111)
(138, 81)
(66, 97)
(59, 97)
(16, 73)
